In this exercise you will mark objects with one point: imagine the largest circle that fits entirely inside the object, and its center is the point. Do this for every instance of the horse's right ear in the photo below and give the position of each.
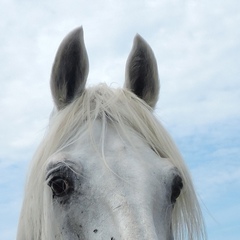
(70, 69)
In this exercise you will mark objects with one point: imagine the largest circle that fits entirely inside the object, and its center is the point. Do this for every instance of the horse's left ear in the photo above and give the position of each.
(141, 74)
(70, 69)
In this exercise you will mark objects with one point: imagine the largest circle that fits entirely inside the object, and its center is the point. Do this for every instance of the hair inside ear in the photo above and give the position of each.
(70, 69)
(141, 74)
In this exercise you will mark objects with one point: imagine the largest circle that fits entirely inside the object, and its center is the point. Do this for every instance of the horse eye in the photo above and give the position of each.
(177, 186)
(59, 186)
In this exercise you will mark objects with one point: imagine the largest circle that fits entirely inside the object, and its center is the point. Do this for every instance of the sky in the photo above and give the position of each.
(197, 47)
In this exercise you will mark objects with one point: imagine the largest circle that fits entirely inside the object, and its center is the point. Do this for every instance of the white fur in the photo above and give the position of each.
(129, 115)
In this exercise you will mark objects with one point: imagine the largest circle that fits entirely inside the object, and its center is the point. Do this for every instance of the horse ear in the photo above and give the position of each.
(141, 74)
(70, 69)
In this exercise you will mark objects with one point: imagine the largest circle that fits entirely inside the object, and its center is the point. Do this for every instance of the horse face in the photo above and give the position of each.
(118, 181)
(127, 193)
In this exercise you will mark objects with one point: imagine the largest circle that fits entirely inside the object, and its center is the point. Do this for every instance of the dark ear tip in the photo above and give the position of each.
(76, 32)
(139, 40)
(79, 29)
(138, 37)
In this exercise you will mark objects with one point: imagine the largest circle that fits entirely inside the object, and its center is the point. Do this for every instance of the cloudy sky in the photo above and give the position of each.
(197, 46)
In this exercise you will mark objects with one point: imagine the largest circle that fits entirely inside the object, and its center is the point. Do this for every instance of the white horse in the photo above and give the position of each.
(106, 168)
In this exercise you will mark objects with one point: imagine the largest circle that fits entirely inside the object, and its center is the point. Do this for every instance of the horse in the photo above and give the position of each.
(106, 167)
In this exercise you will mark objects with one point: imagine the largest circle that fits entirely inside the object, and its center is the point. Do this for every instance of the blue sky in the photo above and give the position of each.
(197, 47)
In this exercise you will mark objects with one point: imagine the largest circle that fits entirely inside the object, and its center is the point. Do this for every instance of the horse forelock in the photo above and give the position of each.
(125, 110)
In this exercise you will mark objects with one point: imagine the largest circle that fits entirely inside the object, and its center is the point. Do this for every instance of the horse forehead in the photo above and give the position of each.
(118, 150)
(133, 149)
(109, 147)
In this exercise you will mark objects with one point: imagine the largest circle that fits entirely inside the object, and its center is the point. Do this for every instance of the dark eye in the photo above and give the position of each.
(177, 186)
(59, 186)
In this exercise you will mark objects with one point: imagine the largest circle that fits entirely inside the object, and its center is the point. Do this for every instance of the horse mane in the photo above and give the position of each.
(125, 109)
